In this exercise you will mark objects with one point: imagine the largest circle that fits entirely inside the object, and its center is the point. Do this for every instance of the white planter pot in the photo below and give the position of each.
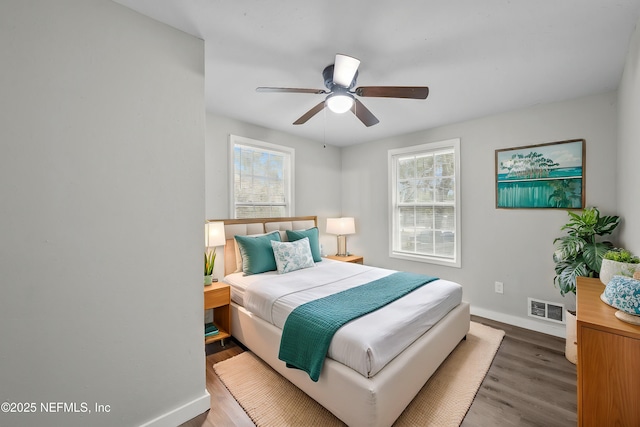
(571, 344)
(611, 268)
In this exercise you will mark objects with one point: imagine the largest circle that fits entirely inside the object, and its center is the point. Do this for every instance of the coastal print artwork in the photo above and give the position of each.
(541, 176)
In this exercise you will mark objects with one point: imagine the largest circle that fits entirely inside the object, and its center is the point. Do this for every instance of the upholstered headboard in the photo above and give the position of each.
(249, 226)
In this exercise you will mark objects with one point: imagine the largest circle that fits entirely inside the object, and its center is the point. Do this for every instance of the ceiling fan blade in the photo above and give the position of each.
(290, 90)
(413, 92)
(345, 69)
(364, 114)
(312, 112)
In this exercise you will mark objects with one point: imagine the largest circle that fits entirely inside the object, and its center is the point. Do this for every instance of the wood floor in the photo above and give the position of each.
(530, 383)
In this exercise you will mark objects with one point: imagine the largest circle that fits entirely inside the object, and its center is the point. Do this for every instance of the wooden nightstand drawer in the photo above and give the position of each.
(216, 295)
(355, 259)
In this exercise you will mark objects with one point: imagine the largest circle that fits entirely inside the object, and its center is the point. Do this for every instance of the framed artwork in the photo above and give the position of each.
(541, 176)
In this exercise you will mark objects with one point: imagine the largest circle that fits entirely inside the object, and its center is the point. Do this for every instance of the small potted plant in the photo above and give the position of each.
(618, 262)
(209, 262)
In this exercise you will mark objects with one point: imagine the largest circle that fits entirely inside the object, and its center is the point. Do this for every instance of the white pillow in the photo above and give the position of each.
(292, 256)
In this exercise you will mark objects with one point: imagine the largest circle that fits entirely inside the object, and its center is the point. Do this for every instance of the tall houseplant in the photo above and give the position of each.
(580, 252)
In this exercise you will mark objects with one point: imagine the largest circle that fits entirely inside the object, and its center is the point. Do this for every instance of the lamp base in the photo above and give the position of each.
(342, 246)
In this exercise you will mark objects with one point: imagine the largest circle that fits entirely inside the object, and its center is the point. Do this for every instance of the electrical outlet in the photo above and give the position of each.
(499, 287)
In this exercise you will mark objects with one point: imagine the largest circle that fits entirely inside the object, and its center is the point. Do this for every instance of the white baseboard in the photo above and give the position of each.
(534, 325)
(183, 413)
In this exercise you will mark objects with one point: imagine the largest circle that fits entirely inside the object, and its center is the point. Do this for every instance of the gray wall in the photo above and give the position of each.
(628, 167)
(102, 205)
(318, 183)
(511, 246)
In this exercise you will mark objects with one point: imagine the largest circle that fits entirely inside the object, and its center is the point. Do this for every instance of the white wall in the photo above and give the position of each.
(318, 182)
(102, 206)
(628, 167)
(511, 246)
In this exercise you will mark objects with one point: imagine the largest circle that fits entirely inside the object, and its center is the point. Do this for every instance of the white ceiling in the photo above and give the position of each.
(477, 57)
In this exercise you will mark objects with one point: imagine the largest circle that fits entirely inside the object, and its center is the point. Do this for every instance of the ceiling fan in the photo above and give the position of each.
(340, 78)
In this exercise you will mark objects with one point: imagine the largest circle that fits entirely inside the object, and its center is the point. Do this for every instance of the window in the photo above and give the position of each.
(262, 184)
(424, 192)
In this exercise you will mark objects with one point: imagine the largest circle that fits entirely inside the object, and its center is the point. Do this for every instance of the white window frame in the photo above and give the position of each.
(288, 172)
(394, 231)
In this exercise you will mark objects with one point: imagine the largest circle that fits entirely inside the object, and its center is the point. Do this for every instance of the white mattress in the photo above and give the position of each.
(366, 344)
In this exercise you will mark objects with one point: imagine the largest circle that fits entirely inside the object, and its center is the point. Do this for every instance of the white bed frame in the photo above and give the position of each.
(355, 399)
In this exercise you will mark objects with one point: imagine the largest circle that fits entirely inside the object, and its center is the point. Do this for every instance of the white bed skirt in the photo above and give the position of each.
(358, 401)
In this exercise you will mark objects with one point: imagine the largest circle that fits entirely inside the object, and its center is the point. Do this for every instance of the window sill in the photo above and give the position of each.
(426, 259)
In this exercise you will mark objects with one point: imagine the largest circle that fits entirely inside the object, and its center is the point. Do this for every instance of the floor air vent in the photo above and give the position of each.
(546, 310)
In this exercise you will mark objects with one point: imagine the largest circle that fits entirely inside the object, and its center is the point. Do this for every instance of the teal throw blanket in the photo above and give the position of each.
(310, 327)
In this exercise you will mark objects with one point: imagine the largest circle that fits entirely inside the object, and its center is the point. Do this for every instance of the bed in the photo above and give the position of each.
(376, 386)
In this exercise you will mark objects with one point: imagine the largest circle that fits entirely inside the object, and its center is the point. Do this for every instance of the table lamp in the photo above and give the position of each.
(213, 237)
(341, 227)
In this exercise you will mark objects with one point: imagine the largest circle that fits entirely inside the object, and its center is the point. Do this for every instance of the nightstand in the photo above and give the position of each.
(356, 259)
(218, 297)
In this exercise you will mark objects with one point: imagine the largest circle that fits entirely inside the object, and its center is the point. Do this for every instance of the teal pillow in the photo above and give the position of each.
(257, 253)
(314, 240)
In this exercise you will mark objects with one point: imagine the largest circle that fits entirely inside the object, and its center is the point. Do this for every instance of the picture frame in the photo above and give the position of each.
(542, 176)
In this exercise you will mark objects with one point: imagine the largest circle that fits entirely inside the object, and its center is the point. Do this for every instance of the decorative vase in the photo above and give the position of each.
(208, 280)
(571, 343)
(612, 268)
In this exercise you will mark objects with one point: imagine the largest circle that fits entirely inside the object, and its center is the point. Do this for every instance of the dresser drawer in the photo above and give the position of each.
(217, 296)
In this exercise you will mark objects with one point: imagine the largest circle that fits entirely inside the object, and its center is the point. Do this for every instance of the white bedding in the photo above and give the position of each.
(366, 344)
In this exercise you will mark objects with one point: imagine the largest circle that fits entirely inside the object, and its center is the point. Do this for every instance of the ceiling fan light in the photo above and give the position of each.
(339, 103)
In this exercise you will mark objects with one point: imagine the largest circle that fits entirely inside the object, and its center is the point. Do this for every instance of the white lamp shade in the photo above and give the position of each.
(341, 226)
(339, 103)
(214, 234)
(345, 69)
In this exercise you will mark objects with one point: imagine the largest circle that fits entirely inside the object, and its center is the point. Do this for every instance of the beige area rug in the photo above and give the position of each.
(272, 401)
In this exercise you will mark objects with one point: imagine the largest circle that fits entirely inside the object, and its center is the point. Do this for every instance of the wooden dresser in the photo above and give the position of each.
(608, 361)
